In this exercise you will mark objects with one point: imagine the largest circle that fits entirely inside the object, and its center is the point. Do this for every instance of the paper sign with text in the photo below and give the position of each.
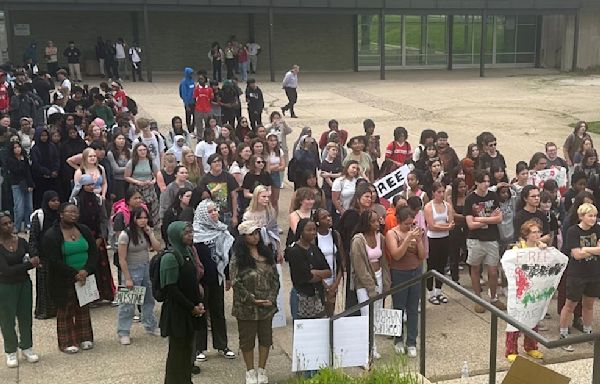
(392, 184)
(533, 275)
(134, 296)
(538, 178)
(310, 350)
(388, 322)
(88, 292)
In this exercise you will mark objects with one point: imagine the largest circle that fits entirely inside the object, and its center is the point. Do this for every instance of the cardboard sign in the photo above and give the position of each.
(533, 275)
(388, 322)
(87, 292)
(538, 178)
(392, 184)
(135, 296)
(524, 371)
(279, 319)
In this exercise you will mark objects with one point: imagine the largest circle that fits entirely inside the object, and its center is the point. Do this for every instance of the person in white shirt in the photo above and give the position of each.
(206, 148)
(253, 51)
(63, 80)
(290, 85)
(121, 56)
(136, 61)
(152, 140)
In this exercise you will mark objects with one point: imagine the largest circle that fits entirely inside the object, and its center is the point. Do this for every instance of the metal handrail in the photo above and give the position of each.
(495, 313)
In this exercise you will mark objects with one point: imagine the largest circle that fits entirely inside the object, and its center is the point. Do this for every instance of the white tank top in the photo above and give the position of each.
(439, 218)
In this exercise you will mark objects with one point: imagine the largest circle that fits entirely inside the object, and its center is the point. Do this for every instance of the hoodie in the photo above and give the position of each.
(186, 87)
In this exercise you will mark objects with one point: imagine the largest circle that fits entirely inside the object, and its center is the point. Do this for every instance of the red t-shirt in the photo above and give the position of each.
(4, 98)
(398, 153)
(203, 96)
(120, 99)
(342, 134)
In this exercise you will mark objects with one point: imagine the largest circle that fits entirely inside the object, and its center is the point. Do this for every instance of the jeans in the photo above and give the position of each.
(407, 300)
(122, 67)
(253, 63)
(294, 303)
(292, 96)
(23, 206)
(243, 71)
(216, 64)
(75, 71)
(140, 274)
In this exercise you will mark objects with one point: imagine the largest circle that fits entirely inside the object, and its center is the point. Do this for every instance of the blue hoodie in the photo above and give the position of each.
(186, 86)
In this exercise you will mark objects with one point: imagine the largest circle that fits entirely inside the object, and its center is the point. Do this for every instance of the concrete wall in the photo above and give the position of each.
(319, 43)
(589, 38)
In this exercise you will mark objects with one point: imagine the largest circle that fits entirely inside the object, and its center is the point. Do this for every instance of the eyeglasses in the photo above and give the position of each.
(260, 162)
(492, 144)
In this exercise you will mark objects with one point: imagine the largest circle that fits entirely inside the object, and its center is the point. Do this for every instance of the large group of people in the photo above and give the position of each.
(89, 178)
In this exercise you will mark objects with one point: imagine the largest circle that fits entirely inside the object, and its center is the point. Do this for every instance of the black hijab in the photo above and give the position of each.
(50, 215)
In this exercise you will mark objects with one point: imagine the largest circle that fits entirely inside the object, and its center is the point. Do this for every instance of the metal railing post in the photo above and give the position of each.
(331, 353)
(493, 347)
(371, 331)
(422, 326)
(596, 367)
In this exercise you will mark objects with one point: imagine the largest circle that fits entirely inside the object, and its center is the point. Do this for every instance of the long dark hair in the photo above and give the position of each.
(118, 152)
(364, 221)
(135, 157)
(133, 228)
(242, 253)
(176, 205)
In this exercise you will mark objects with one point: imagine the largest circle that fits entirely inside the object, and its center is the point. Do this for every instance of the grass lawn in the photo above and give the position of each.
(593, 126)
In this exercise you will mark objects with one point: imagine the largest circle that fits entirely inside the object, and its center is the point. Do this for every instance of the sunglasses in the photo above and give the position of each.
(260, 162)
(5, 214)
(492, 144)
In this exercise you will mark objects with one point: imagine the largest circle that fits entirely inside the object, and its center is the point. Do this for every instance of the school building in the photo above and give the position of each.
(319, 35)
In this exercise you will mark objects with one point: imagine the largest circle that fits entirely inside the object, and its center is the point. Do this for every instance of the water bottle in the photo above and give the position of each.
(464, 372)
(26, 258)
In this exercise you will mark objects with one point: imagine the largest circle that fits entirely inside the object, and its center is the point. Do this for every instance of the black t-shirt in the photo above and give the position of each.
(478, 206)
(522, 216)
(252, 180)
(220, 188)
(302, 261)
(488, 162)
(13, 270)
(335, 167)
(588, 268)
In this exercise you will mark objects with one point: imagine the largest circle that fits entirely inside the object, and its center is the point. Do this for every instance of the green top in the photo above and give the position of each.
(76, 252)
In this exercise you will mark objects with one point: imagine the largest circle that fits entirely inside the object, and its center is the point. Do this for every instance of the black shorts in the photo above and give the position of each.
(578, 287)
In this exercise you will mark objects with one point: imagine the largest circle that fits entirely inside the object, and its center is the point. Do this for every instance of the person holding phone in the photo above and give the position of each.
(406, 250)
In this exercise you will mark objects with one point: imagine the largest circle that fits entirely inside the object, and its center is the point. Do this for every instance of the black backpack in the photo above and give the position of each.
(132, 106)
(158, 292)
(293, 170)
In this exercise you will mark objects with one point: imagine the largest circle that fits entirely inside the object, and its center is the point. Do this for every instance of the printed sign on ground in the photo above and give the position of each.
(533, 275)
(310, 350)
(388, 322)
(134, 296)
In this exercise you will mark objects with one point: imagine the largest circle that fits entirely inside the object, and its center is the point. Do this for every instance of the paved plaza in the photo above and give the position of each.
(524, 108)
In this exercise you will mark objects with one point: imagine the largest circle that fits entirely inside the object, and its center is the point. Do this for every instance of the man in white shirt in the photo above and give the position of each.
(253, 51)
(290, 85)
(121, 56)
(63, 80)
(155, 143)
(136, 61)
(205, 148)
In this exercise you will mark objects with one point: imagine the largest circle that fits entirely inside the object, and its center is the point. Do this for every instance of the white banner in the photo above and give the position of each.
(538, 178)
(533, 275)
(392, 184)
(388, 322)
(88, 291)
(279, 319)
(134, 296)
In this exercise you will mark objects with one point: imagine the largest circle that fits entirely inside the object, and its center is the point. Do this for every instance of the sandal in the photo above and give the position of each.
(434, 300)
(442, 299)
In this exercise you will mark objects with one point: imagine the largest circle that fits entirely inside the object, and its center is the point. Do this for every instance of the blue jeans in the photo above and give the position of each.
(140, 274)
(243, 70)
(23, 206)
(294, 303)
(407, 300)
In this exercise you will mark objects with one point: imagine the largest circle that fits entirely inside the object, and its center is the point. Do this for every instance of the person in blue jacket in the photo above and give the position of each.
(186, 93)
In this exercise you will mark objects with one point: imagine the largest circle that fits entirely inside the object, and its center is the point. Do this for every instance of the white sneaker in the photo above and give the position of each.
(72, 349)
(412, 352)
(399, 348)
(125, 340)
(154, 332)
(86, 345)
(31, 356)
(261, 375)
(12, 361)
(251, 377)
(201, 357)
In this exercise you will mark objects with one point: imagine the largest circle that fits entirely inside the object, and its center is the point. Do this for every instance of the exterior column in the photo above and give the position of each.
(381, 44)
(450, 22)
(148, 45)
(483, 43)
(576, 41)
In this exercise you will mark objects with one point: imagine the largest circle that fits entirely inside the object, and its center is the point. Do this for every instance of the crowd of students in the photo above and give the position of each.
(103, 181)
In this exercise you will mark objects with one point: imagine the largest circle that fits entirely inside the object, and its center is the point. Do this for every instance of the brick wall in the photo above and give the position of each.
(315, 42)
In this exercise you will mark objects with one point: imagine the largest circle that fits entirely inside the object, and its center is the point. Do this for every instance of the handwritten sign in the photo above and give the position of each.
(134, 296)
(388, 322)
(310, 350)
(392, 184)
(351, 342)
(538, 178)
(87, 292)
(279, 319)
(533, 275)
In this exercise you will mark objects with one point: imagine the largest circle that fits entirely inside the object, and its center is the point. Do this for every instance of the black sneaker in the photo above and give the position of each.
(227, 353)
(196, 370)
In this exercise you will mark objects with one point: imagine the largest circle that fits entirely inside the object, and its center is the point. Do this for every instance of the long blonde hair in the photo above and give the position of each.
(254, 206)
(84, 159)
(193, 168)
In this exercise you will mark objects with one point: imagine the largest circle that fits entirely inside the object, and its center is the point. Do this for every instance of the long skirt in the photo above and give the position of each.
(149, 196)
(44, 304)
(104, 279)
